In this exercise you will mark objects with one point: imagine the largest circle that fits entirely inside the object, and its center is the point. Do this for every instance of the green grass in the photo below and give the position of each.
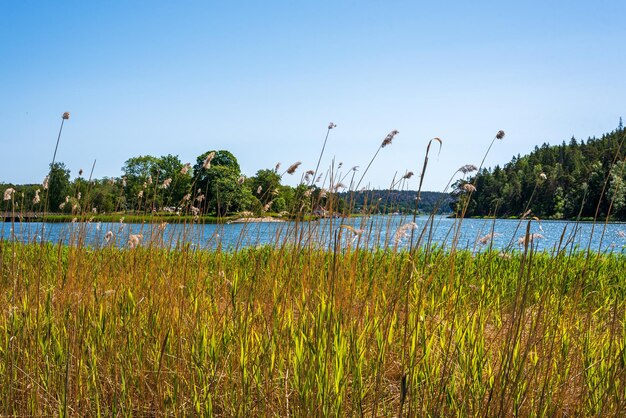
(297, 331)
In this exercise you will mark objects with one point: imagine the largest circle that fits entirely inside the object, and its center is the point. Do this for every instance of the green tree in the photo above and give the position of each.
(141, 175)
(265, 185)
(58, 186)
(152, 182)
(218, 178)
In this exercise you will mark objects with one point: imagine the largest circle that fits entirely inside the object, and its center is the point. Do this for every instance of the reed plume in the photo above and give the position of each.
(207, 161)
(403, 232)
(484, 240)
(8, 193)
(387, 141)
(467, 168)
(293, 167)
(523, 240)
(469, 188)
(134, 240)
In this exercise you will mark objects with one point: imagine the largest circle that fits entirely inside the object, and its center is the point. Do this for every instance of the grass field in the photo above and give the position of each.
(299, 331)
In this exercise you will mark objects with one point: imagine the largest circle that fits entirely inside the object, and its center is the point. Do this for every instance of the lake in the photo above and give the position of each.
(374, 231)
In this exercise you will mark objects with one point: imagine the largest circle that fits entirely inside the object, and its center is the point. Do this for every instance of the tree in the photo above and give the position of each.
(155, 182)
(219, 180)
(58, 186)
(140, 173)
(170, 167)
(265, 185)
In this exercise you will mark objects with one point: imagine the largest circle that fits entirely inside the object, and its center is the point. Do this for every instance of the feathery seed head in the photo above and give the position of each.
(530, 238)
(389, 138)
(339, 186)
(185, 168)
(469, 188)
(331, 126)
(207, 161)
(134, 239)
(8, 193)
(543, 176)
(468, 168)
(408, 175)
(403, 231)
(293, 167)
(489, 237)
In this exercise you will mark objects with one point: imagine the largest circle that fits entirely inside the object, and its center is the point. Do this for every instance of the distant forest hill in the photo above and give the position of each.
(398, 201)
(567, 181)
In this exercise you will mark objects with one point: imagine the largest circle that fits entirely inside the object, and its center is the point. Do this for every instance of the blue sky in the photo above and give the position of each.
(264, 79)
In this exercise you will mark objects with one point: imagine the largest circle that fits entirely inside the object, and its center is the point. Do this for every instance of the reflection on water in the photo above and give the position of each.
(370, 232)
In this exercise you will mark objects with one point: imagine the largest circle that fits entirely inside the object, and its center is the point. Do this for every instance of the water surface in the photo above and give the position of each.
(371, 232)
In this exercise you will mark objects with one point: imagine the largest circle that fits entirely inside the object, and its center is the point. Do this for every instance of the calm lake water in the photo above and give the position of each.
(371, 232)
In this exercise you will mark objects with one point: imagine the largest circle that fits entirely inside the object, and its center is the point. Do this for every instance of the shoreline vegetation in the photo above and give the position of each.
(130, 218)
(307, 326)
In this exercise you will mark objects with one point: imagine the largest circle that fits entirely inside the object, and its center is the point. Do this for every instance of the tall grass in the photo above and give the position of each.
(300, 331)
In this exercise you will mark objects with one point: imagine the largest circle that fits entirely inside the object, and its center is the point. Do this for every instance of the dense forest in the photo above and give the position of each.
(567, 181)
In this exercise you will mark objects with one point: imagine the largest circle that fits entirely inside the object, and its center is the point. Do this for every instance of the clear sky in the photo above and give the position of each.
(263, 79)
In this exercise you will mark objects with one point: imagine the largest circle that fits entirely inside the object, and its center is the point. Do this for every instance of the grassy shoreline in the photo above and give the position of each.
(299, 331)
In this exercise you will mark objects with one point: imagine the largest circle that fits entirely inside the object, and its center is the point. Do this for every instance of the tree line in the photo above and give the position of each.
(212, 185)
(578, 179)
